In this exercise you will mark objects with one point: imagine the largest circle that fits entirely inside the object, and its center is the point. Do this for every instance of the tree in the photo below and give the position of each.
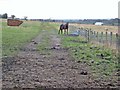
(13, 16)
(5, 16)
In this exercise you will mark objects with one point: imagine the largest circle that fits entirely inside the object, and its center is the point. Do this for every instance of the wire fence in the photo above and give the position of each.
(106, 38)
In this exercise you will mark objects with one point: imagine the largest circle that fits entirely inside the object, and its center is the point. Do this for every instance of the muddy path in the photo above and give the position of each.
(31, 68)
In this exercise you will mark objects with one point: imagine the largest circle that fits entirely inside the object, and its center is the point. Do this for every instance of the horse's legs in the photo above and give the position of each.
(64, 31)
(59, 31)
(67, 31)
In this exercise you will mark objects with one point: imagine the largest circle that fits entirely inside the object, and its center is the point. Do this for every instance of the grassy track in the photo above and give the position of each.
(46, 38)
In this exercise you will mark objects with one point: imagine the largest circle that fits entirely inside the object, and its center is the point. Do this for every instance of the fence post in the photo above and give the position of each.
(101, 37)
(111, 36)
(91, 34)
(85, 33)
(97, 36)
(94, 35)
(88, 35)
(106, 35)
(117, 41)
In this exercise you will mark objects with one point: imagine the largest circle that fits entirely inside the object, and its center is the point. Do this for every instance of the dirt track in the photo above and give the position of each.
(32, 69)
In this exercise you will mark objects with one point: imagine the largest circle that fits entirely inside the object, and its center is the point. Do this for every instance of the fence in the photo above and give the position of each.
(106, 38)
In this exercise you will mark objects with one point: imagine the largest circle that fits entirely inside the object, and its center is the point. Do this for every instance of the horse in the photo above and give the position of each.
(63, 27)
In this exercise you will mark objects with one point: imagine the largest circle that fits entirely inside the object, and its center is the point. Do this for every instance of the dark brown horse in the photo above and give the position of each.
(63, 27)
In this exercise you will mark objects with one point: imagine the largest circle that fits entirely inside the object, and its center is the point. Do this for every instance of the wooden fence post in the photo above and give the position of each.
(94, 33)
(111, 36)
(97, 36)
(101, 37)
(91, 34)
(85, 33)
(88, 35)
(106, 36)
(117, 41)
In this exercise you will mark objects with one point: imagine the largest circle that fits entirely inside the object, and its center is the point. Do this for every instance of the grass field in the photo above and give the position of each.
(98, 28)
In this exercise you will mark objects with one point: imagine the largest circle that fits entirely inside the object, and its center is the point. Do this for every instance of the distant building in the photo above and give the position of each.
(98, 23)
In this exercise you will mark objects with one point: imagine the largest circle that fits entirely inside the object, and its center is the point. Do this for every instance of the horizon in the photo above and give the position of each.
(78, 19)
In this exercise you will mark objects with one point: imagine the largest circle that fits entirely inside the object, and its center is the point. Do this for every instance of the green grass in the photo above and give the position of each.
(15, 37)
(102, 61)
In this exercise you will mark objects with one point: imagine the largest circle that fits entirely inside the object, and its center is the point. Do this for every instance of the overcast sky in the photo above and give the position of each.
(61, 9)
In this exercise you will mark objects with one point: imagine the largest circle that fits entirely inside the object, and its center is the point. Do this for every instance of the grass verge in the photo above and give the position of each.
(103, 62)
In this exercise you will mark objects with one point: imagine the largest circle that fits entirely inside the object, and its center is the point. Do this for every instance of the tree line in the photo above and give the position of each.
(5, 16)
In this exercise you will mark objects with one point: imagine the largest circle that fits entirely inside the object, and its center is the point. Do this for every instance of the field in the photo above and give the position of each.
(35, 56)
(98, 28)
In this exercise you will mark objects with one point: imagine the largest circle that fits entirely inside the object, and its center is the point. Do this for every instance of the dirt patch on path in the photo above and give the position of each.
(31, 69)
